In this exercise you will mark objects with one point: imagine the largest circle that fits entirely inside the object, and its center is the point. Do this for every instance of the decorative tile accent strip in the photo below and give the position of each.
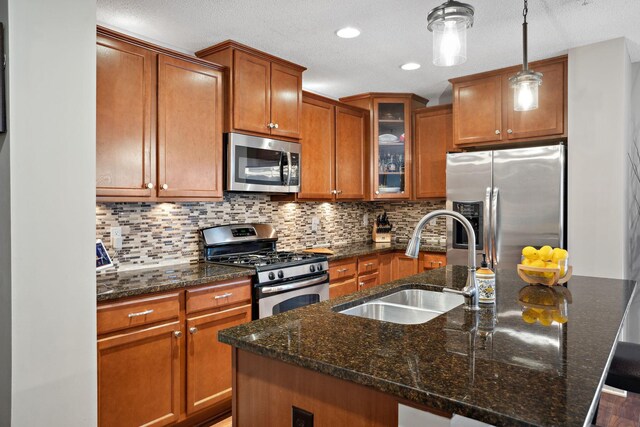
(167, 233)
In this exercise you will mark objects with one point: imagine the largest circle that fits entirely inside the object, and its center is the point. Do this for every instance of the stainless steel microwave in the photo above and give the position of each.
(262, 164)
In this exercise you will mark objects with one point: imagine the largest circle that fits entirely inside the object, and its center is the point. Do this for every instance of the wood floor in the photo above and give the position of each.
(614, 411)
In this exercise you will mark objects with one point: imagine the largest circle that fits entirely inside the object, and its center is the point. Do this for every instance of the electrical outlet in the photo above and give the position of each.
(116, 238)
(315, 222)
(365, 219)
(116, 232)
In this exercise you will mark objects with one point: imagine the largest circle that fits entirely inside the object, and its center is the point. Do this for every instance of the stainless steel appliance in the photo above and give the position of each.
(512, 198)
(283, 280)
(262, 164)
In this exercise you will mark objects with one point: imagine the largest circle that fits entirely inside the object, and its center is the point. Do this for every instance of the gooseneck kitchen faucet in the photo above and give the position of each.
(470, 291)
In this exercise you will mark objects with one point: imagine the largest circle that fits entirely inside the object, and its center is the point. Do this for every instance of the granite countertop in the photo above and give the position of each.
(368, 248)
(112, 286)
(491, 366)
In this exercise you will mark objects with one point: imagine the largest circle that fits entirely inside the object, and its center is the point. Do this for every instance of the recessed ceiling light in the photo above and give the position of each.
(348, 32)
(410, 66)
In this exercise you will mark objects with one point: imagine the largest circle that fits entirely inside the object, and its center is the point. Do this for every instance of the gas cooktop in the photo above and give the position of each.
(268, 259)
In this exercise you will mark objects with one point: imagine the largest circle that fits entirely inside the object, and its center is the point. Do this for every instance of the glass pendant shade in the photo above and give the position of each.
(449, 43)
(525, 86)
(449, 23)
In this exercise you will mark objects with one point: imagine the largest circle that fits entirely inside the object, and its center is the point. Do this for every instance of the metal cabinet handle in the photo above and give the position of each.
(177, 334)
(165, 186)
(225, 295)
(142, 313)
(270, 125)
(342, 270)
(369, 264)
(338, 191)
(439, 263)
(361, 284)
(334, 191)
(275, 125)
(377, 192)
(509, 131)
(150, 185)
(193, 330)
(497, 132)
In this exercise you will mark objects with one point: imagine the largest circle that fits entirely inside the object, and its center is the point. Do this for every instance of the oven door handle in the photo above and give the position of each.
(295, 285)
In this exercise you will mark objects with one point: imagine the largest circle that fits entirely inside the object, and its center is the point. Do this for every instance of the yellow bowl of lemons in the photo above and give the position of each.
(544, 305)
(547, 266)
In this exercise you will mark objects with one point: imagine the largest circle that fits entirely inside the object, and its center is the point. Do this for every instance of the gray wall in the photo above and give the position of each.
(53, 107)
(5, 263)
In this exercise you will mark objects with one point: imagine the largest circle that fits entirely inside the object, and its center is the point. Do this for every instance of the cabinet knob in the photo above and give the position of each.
(270, 125)
(402, 192)
(275, 125)
(338, 191)
(361, 284)
(334, 191)
(497, 132)
(377, 192)
(193, 330)
(177, 334)
(165, 186)
(150, 185)
(509, 131)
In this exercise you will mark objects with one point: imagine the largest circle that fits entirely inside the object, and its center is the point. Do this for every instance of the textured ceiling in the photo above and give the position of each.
(393, 32)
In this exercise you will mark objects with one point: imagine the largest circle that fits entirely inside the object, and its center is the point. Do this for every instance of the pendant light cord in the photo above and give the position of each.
(525, 58)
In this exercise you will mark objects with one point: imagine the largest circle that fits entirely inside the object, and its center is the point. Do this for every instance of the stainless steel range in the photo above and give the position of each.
(283, 280)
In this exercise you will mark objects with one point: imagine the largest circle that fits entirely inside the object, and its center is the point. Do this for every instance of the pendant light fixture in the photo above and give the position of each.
(525, 84)
(449, 23)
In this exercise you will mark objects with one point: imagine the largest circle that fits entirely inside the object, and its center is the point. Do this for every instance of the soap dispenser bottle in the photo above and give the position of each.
(486, 283)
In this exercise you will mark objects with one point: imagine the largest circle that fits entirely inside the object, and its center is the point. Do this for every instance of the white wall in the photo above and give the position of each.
(599, 91)
(5, 267)
(52, 119)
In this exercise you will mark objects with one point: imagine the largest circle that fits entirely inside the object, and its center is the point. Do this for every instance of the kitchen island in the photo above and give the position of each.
(492, 366)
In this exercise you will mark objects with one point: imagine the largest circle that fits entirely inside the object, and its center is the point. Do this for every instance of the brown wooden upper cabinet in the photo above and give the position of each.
(483, 107)
(389, 149)
(265, 92)
(333, 150)
(159, 123)
(433, 138)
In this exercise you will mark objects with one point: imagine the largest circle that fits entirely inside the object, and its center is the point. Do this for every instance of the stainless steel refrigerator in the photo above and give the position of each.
(513, 198)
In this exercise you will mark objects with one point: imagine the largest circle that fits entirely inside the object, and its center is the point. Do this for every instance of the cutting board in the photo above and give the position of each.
(323, 251)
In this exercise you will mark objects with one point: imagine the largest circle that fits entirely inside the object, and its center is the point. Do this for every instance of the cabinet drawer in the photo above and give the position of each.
(142, 311)
(342, 270)
(343, 287)
(368, 264)
(430, 261)
(218, 294)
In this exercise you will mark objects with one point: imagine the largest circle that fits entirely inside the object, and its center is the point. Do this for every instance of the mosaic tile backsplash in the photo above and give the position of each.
(167, 233)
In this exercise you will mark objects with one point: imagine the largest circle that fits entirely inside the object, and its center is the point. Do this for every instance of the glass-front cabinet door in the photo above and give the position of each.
(392, 149)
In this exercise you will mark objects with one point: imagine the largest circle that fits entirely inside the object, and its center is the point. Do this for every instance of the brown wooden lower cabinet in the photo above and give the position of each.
(368, 281)
(403, 266)
(167, 368)
(208, 376)
(385, 269)
(139, 377)
(265, 390)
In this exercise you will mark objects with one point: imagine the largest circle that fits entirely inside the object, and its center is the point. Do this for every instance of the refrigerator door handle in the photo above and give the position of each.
(494, 227)
(486, 227)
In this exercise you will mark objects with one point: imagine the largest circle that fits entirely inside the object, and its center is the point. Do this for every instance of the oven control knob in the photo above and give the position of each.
(319, 267)
(280, 274)
(312, 268)
(272, 276)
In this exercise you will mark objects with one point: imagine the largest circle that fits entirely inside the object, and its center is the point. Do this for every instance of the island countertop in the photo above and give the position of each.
(491, 366)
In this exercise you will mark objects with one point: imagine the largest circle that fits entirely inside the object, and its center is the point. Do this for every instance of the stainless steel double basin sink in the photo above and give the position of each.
(407, 307)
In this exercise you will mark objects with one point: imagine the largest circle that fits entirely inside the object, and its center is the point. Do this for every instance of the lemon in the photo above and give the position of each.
(559, 254)
(545, 253)
(530, 253)
(556, 316)
(553, 265)
(526, 261)
(546, 318)
(529, 316)
(536, 263)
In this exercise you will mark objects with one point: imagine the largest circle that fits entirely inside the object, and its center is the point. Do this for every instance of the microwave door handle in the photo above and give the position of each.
(288, 169)
(281, 167)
